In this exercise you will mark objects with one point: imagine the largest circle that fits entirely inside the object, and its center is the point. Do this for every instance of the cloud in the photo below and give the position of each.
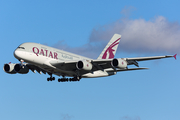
(139, 36)
(66, 117)
(130, 118)
(90, 50)
(127, 11)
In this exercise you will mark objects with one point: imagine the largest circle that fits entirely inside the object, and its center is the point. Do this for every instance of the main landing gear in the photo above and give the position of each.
(69, 80)
(77, 78)
(50, 78)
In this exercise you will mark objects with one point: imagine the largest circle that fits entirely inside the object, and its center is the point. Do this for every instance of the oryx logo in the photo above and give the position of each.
(110, 50)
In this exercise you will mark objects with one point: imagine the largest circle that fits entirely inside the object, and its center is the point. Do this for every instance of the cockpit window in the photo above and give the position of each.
(21, 47)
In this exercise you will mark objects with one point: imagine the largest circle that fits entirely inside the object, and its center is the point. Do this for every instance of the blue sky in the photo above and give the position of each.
(84, 27)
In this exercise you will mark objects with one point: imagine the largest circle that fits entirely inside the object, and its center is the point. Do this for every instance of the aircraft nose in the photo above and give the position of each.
(17, 54)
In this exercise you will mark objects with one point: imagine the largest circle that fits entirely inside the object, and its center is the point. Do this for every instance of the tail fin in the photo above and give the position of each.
(110, 49)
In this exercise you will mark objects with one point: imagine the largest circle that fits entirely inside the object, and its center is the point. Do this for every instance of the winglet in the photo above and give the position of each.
(175, 56)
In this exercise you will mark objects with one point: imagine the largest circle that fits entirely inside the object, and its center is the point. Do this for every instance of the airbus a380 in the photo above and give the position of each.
(44, 59)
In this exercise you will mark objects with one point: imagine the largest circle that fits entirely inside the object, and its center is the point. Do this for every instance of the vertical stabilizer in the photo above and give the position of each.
(110, 49)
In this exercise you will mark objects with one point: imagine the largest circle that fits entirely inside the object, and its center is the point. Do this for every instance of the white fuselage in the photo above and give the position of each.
(41, 56)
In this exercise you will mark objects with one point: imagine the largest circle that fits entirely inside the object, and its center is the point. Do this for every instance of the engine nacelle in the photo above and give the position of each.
(119, 63)
(84, 65)
(22, 69)
(9, 68)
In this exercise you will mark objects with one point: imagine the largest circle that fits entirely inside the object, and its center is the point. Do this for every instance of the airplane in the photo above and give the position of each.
(45, 59)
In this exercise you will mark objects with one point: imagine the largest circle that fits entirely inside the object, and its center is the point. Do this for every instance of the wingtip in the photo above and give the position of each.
(175, 56)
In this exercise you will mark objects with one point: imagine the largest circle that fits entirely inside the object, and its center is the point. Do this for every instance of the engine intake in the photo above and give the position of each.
(22, 69)
(84, 65)
(119, 63)
(9, 68)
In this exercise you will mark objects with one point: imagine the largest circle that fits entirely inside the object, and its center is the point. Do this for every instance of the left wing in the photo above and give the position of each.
(33, 68)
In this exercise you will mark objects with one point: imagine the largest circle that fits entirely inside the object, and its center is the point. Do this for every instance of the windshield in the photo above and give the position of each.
(21, 47)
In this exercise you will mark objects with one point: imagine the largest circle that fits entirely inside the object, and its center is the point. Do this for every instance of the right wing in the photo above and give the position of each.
(103, 64)
(135, 60)
(151, 58)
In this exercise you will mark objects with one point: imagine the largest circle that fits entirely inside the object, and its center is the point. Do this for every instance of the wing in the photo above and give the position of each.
(129, 69)
(64, 65)
(34, 68)
(99, 64)
(43, 69)
(135, 60)
(102, 64)
(68, 68)
(151, 58)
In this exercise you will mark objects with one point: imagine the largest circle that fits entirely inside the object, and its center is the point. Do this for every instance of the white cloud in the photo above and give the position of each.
(141, 36)
(138, 37)
(66, 117)
(88, 50)
(130, 118)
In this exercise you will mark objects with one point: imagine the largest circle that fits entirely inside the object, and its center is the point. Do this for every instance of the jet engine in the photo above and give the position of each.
(84, 65)
(22, 69)
(119, 63)
(9, 68)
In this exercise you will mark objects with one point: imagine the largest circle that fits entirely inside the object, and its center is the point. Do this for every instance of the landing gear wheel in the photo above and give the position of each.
(50, 78)
(77, 78)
